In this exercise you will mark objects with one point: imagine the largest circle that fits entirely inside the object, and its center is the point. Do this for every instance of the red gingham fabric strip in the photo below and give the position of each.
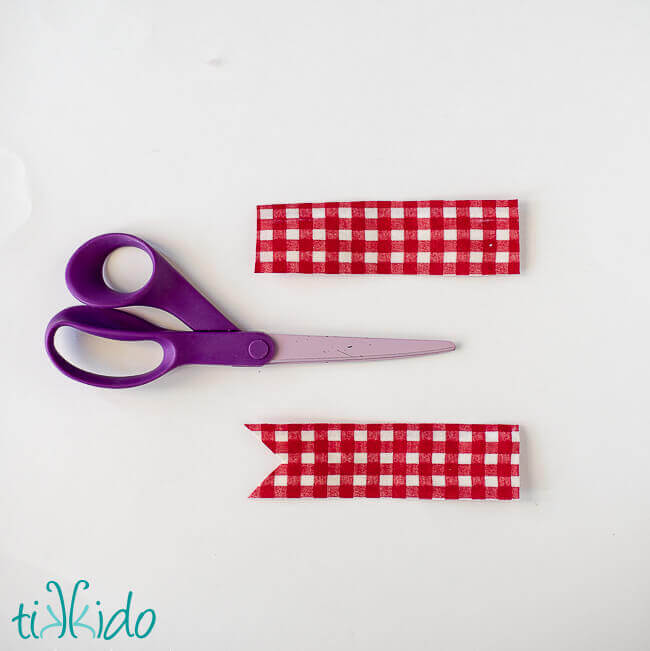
(389, 237)
(424, 460)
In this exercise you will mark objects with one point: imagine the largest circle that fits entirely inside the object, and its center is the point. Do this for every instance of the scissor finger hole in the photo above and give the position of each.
(127, 269)
(107, 356)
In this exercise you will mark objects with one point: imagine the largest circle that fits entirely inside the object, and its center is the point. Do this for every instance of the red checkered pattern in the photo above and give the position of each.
(425, 460)
(389, 237)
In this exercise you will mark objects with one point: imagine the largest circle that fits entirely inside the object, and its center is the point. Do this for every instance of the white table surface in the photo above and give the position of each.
(172, 121)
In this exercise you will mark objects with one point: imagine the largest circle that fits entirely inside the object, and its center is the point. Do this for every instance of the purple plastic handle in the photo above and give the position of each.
(166, 289)
(215, 341)
(228, 348)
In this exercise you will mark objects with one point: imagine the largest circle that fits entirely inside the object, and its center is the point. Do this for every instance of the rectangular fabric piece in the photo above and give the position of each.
(424, 460)
(389, 237)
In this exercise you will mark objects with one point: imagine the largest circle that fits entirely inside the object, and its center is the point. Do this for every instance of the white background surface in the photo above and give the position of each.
(172, 121)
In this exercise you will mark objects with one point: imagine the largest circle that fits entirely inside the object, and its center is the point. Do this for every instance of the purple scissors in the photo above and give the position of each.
(213, 339)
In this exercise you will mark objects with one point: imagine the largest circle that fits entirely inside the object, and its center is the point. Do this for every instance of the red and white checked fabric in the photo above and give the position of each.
(424, 460)
(389, 237)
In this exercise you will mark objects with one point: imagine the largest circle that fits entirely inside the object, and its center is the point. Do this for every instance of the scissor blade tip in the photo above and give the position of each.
(439, 346)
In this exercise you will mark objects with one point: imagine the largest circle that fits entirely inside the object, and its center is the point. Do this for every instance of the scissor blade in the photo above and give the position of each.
(308, 348)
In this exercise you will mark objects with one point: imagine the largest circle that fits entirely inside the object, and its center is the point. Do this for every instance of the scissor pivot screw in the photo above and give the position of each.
(258, 349)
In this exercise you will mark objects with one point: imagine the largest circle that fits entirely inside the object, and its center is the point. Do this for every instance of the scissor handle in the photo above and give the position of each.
(166, 289)
(228, 348)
